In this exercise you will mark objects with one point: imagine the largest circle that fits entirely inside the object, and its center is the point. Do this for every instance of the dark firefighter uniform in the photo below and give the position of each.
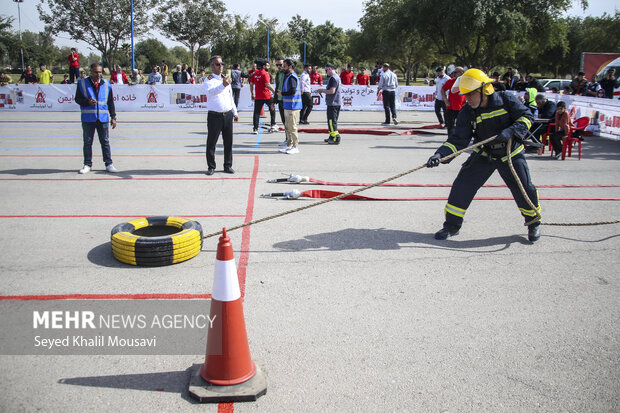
(504, 116)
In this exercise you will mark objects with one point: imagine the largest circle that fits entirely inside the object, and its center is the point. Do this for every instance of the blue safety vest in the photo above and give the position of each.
(292, 102)
(99, 112)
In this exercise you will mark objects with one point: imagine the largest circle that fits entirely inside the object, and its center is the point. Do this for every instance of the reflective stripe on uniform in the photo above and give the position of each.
(531, 212)
(525, 120)
(451, 209)
(449, 145)
(518, 150)
(490, 115)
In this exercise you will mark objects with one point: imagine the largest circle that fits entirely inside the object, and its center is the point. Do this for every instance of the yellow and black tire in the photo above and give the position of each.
(156, 241)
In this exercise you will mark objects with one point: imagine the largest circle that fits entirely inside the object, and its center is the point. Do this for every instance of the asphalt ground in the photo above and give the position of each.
(352, 305)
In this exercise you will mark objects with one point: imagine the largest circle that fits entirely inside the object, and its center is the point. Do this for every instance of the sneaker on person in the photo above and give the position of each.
(85, 169)
(283, 143)
(273, 128)
(385, 124)
(285, 149)
(110, 168)
(255, 132)
(395, 121)
(292, 150)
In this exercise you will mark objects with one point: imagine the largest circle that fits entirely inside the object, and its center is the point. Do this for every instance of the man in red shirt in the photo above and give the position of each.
(346, 76)
(74, 65)
(454, 100)
(315, 77)
(118, 76)
(261, 89)
(362, 78)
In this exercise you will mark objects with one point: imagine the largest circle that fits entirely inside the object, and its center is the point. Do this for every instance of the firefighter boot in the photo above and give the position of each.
(533, 232)
(446, 232)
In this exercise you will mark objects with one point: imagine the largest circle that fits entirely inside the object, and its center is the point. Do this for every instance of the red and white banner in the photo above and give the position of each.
(147, 98)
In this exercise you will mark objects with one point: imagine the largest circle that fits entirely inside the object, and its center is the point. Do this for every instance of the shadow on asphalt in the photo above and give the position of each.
(120, 174)
(102, 255)
(383, 239)
(168, 381)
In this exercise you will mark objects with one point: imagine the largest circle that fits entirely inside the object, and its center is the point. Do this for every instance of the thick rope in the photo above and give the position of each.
(538, 217)
(324, 201)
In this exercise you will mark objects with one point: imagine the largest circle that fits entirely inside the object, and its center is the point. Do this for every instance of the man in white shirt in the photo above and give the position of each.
(306, 95)
(388, 82)
(222, 111)
(440, 105)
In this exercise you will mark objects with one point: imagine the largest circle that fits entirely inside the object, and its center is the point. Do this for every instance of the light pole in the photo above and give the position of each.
(19, 17)
(304, 53)
(133, 63)
(260, 21)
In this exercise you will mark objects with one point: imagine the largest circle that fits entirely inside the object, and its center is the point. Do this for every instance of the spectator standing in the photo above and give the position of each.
(164, 72)
(454, 100)
(347, 76)
(609, 83)
(236, 83)
(315, 77)
(277, 98)
(497, 84)
(221, 113)
(82, 74)
(507, 78)
(563, 124)
(579, 85)
(333, 100)
(593, 87)
(376, 73)
(118, 77)
(362, 78)
(44, 76)
(535, 83)
(388, 83)
(201, 78)
(135, 78)
(28, 76)
(191, 77)
(155, 77)
(291, 100)
(260, 90)
(74, 65)
(65, 80)
(4, 79)
(440, 105)
(180, 76)
(96, 100)
(306, 95)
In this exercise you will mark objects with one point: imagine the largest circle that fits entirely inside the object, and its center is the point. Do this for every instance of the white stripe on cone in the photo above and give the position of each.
(225, 281)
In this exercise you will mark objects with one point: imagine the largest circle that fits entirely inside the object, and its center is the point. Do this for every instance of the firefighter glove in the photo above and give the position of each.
(433, 161)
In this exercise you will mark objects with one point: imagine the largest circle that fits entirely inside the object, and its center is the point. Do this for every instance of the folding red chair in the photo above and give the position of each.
(580, 125)
(545, 138)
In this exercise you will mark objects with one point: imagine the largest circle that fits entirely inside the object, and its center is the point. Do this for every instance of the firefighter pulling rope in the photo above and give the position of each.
(491, 119)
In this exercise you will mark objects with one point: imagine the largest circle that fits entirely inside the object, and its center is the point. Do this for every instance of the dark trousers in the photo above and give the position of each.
(556, 141)
(307, 105)
(258, 105)
(281, 110)
(389, 104)
(236, 93)
(451, 120)
(332, 121)
(74, 74)
(440, 106)
(88, 134)
(475, 172)
(217, 123)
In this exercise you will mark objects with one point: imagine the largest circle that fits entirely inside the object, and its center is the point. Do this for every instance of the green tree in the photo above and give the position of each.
(103, 24)
(8, 40)
(193, 23)
(329, 45)
(151, 52)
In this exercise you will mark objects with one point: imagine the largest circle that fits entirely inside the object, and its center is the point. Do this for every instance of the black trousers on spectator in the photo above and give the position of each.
(218, 122)
(556, 141)
(74, 74)
(236, 93)
(389, 104)
(258, 105)
(281, 110)
(451, 120)
(307, 104)
(440, 106)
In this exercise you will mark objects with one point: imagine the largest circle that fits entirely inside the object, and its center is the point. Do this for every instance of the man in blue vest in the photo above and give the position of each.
(291, 100)
(94, 95)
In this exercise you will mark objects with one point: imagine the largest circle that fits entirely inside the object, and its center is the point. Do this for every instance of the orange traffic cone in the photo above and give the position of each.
(228, 373)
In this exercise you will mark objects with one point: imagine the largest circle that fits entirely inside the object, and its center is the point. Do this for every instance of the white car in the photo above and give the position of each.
(559, 84)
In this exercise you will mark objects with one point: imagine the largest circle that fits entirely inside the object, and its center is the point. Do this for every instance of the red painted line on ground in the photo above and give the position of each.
(120, 179)
(245, 235)
(225, 408)
(319, 182)
(118, 216)
(115, 155)
(107, 297)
